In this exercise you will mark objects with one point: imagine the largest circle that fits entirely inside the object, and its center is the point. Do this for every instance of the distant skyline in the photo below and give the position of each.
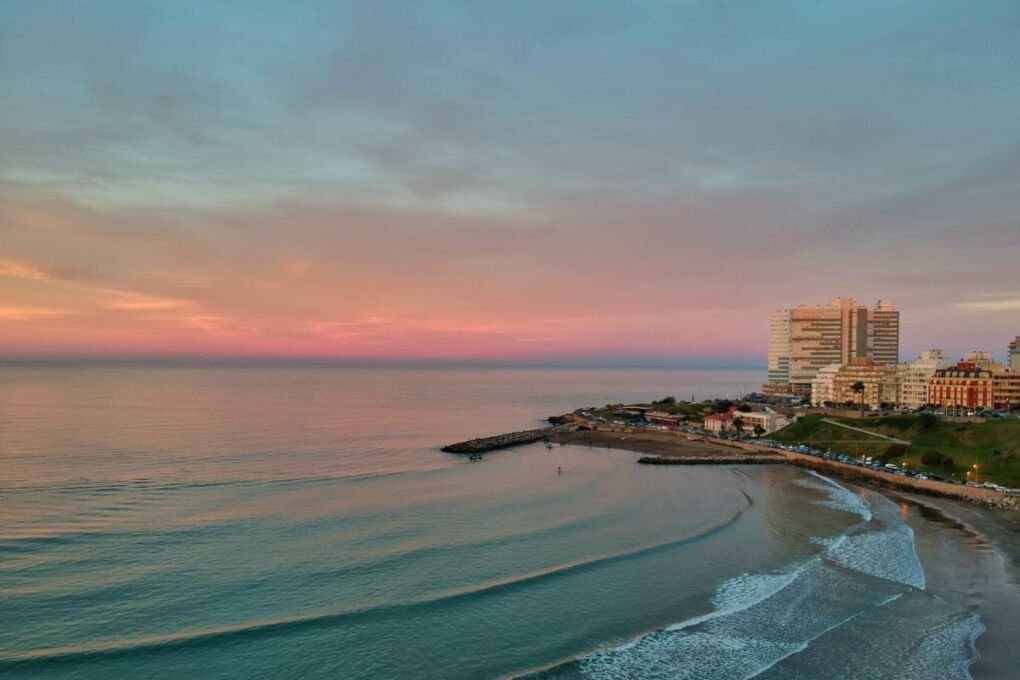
(545, 182)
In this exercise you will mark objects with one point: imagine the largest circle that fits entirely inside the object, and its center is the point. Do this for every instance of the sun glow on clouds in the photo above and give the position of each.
(454, 180)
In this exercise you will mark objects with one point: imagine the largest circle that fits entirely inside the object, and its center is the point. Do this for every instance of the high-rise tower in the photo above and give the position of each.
(804, 339)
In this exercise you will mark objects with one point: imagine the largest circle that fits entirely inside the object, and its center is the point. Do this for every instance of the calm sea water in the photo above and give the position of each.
(301, 522)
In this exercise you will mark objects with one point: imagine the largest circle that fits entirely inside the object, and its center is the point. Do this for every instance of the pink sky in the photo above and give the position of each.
(329, 281)
(548, 183)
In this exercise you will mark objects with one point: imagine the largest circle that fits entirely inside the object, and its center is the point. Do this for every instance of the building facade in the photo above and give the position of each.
(879, 381)
(912, 378)
(1006, 390)
(821, 386)
(779, 348)
(963, 385)
(805, 339)
(765, 418)
(1014, 355)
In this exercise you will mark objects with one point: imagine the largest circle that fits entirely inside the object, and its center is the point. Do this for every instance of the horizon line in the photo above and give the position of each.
(704, 363)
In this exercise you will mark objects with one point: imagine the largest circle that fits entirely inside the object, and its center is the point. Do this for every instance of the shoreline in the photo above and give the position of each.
(675, 445)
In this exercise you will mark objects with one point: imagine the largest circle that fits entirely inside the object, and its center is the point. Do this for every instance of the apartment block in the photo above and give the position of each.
(912, 378)
(963, 385)
(806, 339)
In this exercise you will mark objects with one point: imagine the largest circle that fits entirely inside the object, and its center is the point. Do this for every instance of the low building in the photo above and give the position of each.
(720, 422)
(663, 418)
(963, 385)
(766, 418)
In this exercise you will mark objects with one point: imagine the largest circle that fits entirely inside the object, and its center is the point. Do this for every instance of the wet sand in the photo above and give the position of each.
(653, 443)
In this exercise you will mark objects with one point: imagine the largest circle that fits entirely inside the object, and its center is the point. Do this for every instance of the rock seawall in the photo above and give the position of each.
(500, 441)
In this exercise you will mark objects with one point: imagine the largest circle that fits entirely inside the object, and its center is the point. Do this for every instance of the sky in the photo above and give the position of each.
(538, 181)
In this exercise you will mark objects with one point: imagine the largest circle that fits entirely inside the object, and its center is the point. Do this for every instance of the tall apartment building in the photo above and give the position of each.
(1014, 355)
(779, 348)
(883, 333)
(805, 339)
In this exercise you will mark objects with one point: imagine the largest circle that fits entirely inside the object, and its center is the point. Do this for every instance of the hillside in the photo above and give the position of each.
(994, 446)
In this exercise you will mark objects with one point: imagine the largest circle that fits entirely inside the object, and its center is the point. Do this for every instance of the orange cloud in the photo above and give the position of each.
(22, 270)
(29, 313)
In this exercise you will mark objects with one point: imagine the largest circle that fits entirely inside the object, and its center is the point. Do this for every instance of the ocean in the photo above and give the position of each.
(300, 521)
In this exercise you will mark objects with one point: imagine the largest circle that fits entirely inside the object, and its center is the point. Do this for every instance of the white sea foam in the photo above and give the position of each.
(842, 498)
(887, 553)
(761, 619)
(946, 652)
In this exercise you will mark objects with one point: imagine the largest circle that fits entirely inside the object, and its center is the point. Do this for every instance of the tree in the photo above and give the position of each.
(723, 406)
(858, 389)
(744, 408)
(927, 421)
(759, 430)
(948, 464)
(933, 458)
(667, 400)
(738, 425)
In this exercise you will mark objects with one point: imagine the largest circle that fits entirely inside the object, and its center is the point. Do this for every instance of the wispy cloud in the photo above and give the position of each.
(30, 313)
(1004, 304)
(22, 270)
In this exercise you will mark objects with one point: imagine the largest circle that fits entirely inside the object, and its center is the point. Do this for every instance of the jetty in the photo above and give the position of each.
(501, 441)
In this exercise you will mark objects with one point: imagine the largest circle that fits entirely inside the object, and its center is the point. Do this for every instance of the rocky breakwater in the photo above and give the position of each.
(501, 441)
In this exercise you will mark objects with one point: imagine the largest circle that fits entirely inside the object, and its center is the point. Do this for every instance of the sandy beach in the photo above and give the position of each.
(652, 442)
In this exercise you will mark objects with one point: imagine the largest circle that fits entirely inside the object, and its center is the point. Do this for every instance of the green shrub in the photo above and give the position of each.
(933, 458)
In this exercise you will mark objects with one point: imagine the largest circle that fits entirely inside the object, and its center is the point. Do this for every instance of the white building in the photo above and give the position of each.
(822, 386)
(765, 418)
(912, 378)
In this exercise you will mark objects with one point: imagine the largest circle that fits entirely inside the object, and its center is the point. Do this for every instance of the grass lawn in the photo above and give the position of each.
(994, 446)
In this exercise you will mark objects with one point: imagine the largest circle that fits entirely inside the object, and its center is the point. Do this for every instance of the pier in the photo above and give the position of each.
(501, 441)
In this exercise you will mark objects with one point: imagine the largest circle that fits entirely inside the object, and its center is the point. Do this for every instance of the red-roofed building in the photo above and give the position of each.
(720, 422)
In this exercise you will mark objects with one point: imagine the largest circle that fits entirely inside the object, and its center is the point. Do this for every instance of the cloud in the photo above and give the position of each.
(123, 300)
(592, 179)
(991, 305)
(9, 313)
(21, 270)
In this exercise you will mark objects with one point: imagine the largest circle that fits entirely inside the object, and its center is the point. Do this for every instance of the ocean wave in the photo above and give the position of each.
(769, 618)
(947, 651)
(253, 630)
(840, 497)
(888, 553)
(760, 619)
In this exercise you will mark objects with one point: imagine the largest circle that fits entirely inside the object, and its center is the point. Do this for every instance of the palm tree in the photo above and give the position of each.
(738, 425)
(858, 389)
(759, 430)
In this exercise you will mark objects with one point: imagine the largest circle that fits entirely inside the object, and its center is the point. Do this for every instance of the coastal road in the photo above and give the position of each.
(873, 434)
